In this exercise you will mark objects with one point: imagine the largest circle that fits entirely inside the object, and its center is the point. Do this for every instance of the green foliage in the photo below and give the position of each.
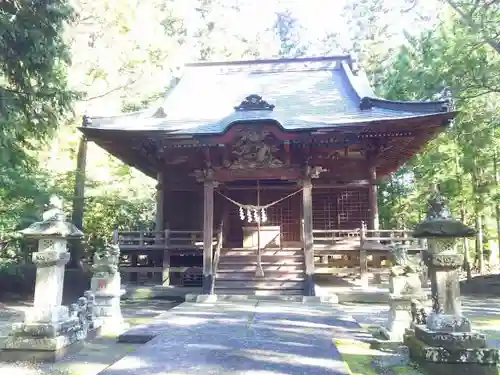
(288, 31)
(461, 160)
(118, 66)
(33, 84)
(34, 100)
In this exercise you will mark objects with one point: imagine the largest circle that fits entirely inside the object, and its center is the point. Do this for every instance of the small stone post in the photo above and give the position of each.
(446, 344)
(106, 286)
(47, 326)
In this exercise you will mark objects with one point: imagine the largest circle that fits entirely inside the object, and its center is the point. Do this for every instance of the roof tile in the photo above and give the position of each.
(306, 95)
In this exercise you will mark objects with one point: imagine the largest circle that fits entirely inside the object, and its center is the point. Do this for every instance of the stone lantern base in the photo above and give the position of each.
(47, 335)
(451, 352)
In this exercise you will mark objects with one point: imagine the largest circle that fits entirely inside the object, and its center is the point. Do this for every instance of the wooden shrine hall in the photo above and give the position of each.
(266, 168)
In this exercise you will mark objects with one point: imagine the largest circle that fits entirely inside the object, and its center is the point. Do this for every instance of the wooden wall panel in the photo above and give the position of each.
(183, 210)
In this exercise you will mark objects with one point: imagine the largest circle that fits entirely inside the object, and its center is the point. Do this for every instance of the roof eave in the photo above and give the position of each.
(361, 87)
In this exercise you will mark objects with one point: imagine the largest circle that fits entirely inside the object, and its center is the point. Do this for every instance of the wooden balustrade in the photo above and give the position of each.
(359, 250)
(151, 240)
(336, 251)
(355, 239)
(139, 243)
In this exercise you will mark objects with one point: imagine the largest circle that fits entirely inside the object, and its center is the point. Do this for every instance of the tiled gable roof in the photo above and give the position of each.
(306, 94)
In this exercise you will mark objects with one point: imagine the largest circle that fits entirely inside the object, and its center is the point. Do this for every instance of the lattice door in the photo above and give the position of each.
(352, 206)
(286, 214)
(339, 209)
(324, 206)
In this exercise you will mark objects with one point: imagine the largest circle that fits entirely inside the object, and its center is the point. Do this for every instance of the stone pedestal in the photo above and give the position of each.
(106, 286)
(50, 328)
(399, 319)
(452, 352)
(405, 291)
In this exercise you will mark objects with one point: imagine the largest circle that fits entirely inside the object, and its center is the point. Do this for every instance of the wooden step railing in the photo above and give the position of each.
(216, 255)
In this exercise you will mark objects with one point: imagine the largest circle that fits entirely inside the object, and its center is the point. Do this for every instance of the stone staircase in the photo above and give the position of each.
(284, 272)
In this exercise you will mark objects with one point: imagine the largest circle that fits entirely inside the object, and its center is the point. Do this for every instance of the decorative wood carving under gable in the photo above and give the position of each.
(255, 148)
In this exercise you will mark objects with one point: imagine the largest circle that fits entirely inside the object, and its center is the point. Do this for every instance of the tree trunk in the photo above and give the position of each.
(77, 248)
(497, 202)
(466, 266)
(479, 240)
(478, 217)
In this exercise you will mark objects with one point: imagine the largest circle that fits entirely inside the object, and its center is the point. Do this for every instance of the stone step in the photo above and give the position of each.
(265, 258)
(259, 292)
(251, 267)
(266, 252)
(266, 248)
(264, 284)
(253, 261)
(242, 276)
(228, 274)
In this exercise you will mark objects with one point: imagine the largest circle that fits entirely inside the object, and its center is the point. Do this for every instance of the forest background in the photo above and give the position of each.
(63, 59)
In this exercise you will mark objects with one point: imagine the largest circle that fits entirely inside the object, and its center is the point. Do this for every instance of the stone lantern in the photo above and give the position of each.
(442, 259)
(52, 234)
(444, 342)
(48, 326)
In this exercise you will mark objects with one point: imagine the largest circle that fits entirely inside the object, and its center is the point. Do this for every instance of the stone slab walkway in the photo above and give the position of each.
(250, 337)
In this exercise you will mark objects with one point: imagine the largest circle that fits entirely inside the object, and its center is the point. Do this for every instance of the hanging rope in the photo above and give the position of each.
(259, 207)
(257, 213)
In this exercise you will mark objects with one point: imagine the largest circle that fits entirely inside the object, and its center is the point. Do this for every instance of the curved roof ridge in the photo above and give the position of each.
(368, 99)
(341, 58)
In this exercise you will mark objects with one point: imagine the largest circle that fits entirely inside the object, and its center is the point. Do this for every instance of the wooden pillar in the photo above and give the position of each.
(363, 258)
(159, 229)
(373, 220)
(208, 233)
(308, 236)
(159, 225)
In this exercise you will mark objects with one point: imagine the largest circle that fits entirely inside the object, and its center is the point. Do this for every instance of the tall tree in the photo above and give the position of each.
(288, 31)
(33, 65)
(34, 101)
(462, 159)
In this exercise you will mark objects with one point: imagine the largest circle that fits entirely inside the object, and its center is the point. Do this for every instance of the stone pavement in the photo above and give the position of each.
(248, 337)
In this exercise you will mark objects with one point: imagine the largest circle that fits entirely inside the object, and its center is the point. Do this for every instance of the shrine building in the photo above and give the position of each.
(263, 167)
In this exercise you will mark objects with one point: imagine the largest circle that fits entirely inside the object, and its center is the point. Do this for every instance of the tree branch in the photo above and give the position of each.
(468, 21)
(115, 89)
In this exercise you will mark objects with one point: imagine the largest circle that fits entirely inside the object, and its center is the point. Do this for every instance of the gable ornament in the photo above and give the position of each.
(254, 103)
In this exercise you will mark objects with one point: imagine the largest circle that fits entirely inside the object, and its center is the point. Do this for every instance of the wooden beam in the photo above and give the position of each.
(290, 187)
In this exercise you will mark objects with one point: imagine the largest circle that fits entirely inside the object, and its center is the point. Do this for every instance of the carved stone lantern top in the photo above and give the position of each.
(53, 223)
(439, 223)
